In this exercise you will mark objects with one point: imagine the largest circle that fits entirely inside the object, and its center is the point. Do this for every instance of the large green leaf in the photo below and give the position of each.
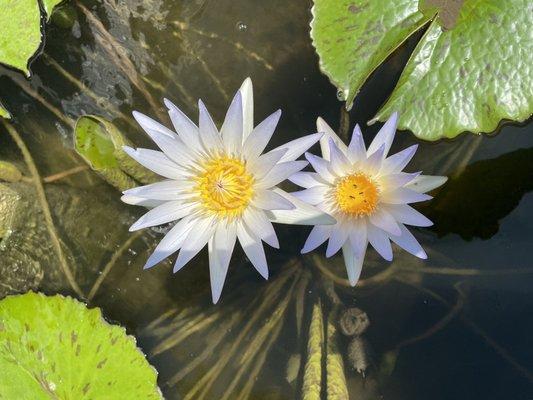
(56, 348)
(471, 69)
(353, 37)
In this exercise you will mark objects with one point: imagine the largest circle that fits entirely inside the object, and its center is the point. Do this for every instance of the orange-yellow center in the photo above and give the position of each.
(356, 195)
(224, 186)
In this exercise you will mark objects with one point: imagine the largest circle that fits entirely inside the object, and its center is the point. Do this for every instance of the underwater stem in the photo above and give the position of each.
(46, 208)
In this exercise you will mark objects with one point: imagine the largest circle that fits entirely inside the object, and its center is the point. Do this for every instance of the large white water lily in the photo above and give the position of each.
(219, 186)
(367, 193)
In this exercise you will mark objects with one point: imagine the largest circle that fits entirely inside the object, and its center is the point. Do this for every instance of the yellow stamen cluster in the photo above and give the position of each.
(356, 195)
(224, 186)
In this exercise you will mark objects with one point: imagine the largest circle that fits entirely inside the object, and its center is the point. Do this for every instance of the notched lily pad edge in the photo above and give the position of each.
(350, 95)
(490, 128)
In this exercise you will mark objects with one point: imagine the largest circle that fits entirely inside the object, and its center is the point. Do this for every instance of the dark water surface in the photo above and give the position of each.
(457, 326)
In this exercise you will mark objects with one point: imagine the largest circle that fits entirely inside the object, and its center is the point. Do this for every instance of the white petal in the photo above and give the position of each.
(385, 136)
(208, 131)
(339, 236)
(295, 148)
(164, 190)
(152, 127)
(269, 200)
(321, 166)
(358, 238)
(264, 163)
(166, 212)
(374, 160)
(398, 161)
(303, 214)
(380, 241)
(319, 234)
(253, 248)
(260, 136)
(307, 179)
(186, 129)
(339, 163)
(140, 201)
(247, 94)
(155, 161)
(261, 227)
(323, 127)
(171, 242)
(384, 220)
(403, 196)
(313, 195)
(393, 181)
(220, 247)
(232, 127)
(165, 139)
(197, 238)
(408, 215)
(408, 242)
(357, 149)
(426, 183)
(353, 262)
(280, 172)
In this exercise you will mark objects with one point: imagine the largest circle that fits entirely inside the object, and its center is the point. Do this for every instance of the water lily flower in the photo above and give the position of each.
(219, 186)
(367, 193)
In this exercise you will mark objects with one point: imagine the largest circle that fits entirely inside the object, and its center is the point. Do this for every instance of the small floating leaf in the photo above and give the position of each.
(4, 113)
(9, 173)
(100, 144)
(54, 347)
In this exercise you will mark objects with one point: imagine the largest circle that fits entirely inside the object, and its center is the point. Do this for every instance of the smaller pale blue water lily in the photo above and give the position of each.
(219, 186)
(367, 193)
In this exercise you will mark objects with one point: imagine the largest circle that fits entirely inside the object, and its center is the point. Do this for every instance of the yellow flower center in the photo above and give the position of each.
(356, 195)
(224, 186)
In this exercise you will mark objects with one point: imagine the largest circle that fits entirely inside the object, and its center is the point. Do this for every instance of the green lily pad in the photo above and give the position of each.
(21, 34)
(54, 347)
(100, 144)
(21, 31)
(471, 69)
(353, 37)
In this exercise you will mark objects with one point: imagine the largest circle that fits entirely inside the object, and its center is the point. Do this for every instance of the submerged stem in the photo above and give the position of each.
(41, 196)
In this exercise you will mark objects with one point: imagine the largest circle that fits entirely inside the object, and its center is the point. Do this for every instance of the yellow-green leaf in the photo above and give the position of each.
(56, 348)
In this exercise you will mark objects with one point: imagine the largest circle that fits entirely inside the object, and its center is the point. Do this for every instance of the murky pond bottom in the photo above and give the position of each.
(455, 326)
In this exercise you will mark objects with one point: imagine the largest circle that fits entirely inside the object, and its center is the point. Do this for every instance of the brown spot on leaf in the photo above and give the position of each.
(355, 9)
(447, 11)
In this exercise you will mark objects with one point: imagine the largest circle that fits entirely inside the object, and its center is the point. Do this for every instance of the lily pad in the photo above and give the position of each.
(470, 70)
(54, 347)
(100, 144)
(21, 33)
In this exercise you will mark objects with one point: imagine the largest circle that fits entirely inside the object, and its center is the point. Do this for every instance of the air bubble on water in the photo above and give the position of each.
(241, 26)
(341, 95)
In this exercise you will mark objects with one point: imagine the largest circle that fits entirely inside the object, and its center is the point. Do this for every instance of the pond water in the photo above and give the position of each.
(455, 326)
